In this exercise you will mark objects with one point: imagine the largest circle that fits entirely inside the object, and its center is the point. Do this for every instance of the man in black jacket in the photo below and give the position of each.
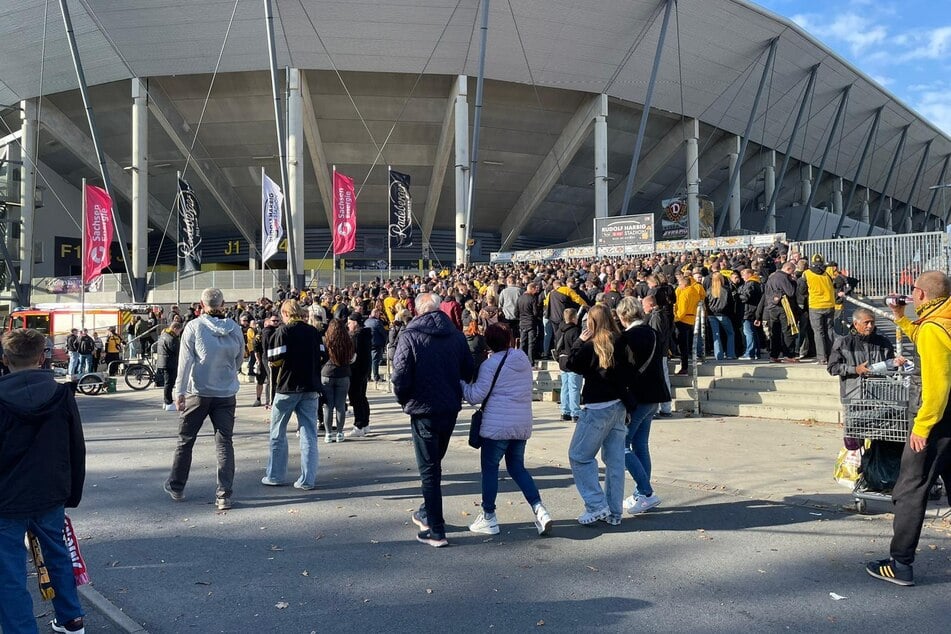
(431, 358)
(167, 360)
(778, 293)
(295, 359)
(528, 312)
(360, 374)
(565, 338)
(853, 356)
(750, 293)
(42, 470)
(72, 347)
(663, 324)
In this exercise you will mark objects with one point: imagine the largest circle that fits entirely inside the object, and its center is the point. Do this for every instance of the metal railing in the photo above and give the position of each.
(882, 264)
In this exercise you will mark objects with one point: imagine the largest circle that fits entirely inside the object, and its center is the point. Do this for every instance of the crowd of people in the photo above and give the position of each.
(474, 334)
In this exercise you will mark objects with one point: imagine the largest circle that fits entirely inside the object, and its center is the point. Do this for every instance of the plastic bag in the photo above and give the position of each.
(847, 466)
(880, 465)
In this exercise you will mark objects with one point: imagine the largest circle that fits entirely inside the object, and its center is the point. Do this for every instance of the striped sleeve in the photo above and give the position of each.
(277, 349)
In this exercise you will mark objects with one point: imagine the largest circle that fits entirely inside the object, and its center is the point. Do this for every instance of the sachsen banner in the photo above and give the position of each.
(345, 214)
(97, 232)
(624, 232)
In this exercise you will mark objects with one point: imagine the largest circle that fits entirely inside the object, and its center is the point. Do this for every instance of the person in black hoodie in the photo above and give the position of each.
(295, 357)
(565, 339)
(648, 388)
(663, 324)
(42, 470)
(359, 375)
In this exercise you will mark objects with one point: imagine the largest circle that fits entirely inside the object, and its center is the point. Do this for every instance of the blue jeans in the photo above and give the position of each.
(87, 363)
(75, 360)
(304, 404)
(376, 358)
(752, 340)
(721, 325)
(335, 400)
(571, 394)
(667, 407)
(637, 456)
(549, 334)
(599, 429)
(16, 605)
(514, 452)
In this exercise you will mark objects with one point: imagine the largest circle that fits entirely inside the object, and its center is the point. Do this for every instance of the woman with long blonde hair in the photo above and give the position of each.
(600, 356)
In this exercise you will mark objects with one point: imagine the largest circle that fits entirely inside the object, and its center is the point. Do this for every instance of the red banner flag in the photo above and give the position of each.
(345, 214)
(97, 238)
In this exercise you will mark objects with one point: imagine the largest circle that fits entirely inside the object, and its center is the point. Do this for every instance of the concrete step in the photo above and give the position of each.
(804, 412)
(778, 399)
(687, 381)
(829, 386)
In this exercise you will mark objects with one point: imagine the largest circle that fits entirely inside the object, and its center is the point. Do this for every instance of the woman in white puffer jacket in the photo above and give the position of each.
(506, 426)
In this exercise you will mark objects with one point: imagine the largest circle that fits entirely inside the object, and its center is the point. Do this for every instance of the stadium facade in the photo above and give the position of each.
(753, 125)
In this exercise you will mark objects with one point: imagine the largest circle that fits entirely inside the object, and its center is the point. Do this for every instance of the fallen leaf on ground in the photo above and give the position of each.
(281, 605)
(305, 574)
(540, 623)
(429, 590)
(592, 568)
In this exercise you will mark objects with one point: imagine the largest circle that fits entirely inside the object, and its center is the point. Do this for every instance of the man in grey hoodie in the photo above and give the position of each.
(212, 349)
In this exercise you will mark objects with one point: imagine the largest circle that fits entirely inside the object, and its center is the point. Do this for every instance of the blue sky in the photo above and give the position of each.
(903, 45)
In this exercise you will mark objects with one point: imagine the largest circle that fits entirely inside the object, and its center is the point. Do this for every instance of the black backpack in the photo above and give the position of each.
(86, 345)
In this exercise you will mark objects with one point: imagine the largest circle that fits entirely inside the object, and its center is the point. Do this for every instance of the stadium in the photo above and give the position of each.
(715, 116)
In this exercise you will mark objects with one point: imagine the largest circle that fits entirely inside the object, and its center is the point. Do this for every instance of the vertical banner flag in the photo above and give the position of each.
(189, 233)
(345, 215)
(272, 229)
(400, 232)
(98, 236)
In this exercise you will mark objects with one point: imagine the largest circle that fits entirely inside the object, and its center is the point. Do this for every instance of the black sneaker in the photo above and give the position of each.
(72, 627)
(420, 520)
(433, 539)
(566, 417)
(891, 571)
(178, 496)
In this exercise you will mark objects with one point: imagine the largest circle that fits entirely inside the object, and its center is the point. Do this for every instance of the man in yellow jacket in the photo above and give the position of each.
(689, 295)
(816, 286)
(928, 452)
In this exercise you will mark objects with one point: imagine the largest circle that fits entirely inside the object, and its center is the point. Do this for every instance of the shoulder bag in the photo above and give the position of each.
(475, 425)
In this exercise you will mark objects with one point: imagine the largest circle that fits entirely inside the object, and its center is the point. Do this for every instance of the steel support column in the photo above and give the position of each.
(909, 207)
(872, 132)
(440, 163)
(28, 157)
(888, 178)
(462, 167)
(295, 169)
(836, 122)
(866, 215)
(934, 191)
(806, 97)
(639, 140)
(769, 192)
(693, 181)
(140, 185)
(315, 148)
(476, 129)
(733, 212)
(770, 58)
(601, 166)
(837, 201)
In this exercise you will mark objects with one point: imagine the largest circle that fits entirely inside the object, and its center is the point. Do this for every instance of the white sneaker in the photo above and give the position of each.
(329, 438)
(171, 407)
(590, 517)
(339, 436)
(644, 503)
(487, 525)
(630, 502)
(358, 432)
(542, 520)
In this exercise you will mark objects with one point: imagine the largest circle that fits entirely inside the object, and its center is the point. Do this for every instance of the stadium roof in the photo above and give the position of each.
(397, 60)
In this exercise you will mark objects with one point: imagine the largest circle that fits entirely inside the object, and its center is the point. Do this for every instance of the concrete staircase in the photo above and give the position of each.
(732, 388)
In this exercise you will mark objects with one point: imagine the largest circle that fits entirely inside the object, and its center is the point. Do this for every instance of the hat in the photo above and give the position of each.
(818, 259)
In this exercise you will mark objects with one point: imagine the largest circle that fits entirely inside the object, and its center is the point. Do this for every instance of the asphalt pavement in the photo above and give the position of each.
(751, 536)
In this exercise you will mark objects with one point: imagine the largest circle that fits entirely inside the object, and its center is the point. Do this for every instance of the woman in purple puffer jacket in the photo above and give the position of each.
(506, 426)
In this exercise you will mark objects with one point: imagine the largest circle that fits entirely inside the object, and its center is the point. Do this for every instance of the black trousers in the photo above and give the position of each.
(171, 373)
(528, 338)
(684, 342)
(357, 394)
(919, 472)
(431, 440)
(781, 340)
(821, 322)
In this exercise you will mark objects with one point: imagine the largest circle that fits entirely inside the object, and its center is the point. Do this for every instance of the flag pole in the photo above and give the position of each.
(389, 238)
(82, 264)
(333, 201)
(263, 238)
(178, 237)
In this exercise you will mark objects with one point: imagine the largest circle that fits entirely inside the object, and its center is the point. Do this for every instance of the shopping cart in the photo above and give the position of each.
(881, 412)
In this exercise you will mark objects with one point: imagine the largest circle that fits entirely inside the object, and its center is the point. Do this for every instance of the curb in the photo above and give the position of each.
(110, 610)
